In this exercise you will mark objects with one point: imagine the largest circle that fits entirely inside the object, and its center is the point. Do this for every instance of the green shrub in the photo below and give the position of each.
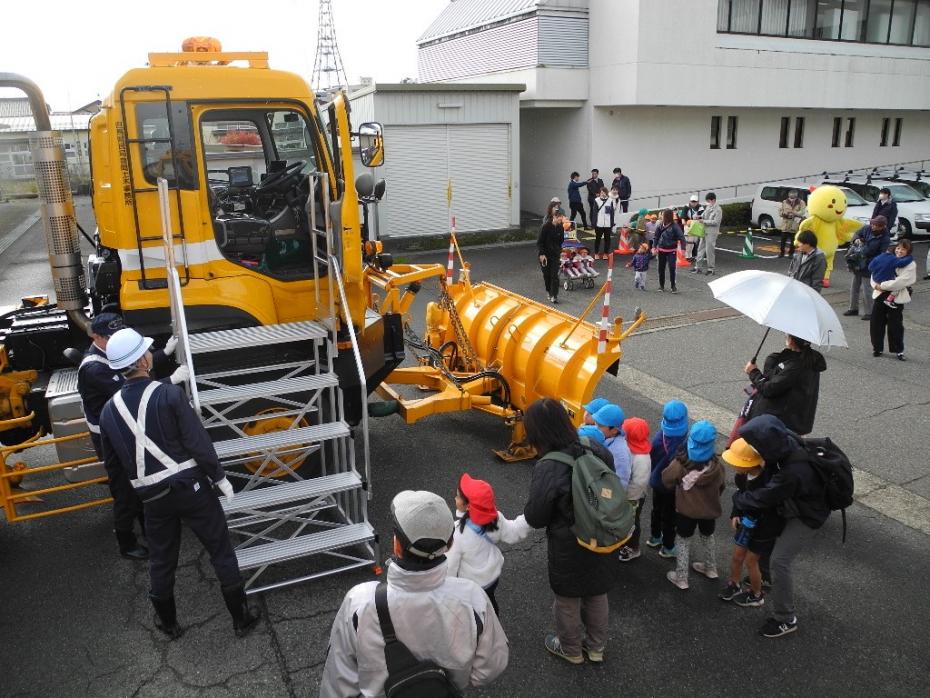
(737, 214)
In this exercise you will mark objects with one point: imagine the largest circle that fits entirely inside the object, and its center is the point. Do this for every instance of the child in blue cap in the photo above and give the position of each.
(592, 433)
(592, 407)
(698, 479)
(669, 438)
(609, 419)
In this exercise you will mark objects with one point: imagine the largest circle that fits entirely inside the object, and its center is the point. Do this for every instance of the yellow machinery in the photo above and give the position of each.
(255, 168)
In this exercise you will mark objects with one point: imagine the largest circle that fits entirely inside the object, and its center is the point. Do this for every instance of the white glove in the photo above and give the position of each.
(226, 488)
(170, 345)
(181, 374)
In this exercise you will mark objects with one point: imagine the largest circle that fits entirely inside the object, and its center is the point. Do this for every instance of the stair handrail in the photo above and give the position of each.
(336, 273)
(178, 316)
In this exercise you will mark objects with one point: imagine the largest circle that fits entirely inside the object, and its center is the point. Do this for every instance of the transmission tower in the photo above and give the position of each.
(328, 72)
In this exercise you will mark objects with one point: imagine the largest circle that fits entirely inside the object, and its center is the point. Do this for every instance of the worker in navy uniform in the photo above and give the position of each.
(150, 433)
(97, 383)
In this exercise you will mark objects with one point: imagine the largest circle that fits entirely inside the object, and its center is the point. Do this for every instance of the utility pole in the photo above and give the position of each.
(328, 72)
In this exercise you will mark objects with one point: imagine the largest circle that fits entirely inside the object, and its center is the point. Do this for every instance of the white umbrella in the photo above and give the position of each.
(781, 303)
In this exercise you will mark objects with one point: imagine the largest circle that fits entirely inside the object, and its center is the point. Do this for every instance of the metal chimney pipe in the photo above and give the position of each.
(61, 234)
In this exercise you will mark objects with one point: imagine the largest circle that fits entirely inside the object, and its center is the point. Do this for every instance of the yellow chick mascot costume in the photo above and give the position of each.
(826, 206)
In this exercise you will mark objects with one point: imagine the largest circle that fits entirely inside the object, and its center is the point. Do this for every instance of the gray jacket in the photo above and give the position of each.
(713, 216)
(809, 268)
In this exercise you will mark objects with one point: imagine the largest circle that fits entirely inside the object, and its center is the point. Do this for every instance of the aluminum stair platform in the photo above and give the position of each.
(272, 388)
(304, 546)
(277, 440)
(276, 495)
(263, 335)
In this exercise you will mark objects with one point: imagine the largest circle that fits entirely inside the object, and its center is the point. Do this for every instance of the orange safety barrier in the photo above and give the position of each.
(623, 246)
(681, 259)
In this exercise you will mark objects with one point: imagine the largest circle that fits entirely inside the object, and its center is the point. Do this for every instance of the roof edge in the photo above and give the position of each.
(440, 87)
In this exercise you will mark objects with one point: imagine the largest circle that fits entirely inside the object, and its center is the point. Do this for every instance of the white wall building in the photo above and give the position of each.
(692, 95)
(440, 134)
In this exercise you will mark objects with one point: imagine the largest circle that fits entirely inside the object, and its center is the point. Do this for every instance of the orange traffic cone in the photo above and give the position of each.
(623, 246)
(681, 261)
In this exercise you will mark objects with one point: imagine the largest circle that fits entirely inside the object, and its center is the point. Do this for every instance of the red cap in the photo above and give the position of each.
(637, 435)
(481, 507)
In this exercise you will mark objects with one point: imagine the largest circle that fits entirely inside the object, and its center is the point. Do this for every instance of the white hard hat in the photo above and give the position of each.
(125, 347)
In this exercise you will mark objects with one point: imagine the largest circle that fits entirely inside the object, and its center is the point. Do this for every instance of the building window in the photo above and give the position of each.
(783, 134)
(837, 130)
(903, 22)
(799, 132)
(731, 132)
(886, 124)
(898, 123)
(715, 133)
(850, 132)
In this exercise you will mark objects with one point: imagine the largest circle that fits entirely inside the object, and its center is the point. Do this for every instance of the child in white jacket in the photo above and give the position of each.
(480, 528)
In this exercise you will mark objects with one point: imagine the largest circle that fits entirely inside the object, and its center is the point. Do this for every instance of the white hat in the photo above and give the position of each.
(694, 197)
(125, 347)
(555, 200)
(423, 522)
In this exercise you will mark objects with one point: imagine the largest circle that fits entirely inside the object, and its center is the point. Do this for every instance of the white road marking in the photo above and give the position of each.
(887, 498)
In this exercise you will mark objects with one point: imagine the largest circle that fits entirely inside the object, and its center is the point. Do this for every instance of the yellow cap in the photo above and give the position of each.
(741, 455)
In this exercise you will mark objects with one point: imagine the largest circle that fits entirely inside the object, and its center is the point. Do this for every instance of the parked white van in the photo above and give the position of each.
(768, 198)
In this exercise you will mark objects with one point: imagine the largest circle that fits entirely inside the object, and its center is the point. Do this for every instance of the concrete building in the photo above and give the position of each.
(689, 95)
(440, 138)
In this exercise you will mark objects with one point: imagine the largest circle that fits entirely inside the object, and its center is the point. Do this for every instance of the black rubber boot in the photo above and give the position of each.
(166, 617)
(243, 617)
(129, 547)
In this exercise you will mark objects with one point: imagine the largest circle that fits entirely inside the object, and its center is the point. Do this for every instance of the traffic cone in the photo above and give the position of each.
(747, 246)
(623, 247)
(682, 260)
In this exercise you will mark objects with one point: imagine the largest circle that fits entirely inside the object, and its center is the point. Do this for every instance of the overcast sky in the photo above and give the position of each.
(76, 51)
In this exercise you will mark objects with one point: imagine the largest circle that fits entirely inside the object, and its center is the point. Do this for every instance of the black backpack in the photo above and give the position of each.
(409, 677)
(835, 471)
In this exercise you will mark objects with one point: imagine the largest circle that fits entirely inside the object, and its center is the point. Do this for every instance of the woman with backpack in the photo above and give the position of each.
(579, 578)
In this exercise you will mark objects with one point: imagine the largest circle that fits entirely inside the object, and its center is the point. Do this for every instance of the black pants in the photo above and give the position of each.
(787, 238)
(194, 503)
(489, 590)
(550, 272)
(592, 209)
(637, 528)
(685, 525)
(576, 207)
(126, 504)
(694, 248)
(624, 203)
(662, 520)
(602, 233)
(890, 318)
(667, 259)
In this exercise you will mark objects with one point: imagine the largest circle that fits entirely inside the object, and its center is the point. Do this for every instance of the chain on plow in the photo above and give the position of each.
(469, 357)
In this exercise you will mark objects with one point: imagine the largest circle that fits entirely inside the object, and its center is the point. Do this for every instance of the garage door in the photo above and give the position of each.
(421, 159)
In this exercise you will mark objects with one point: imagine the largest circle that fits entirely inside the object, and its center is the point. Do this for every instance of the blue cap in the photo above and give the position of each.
(106, 324)
(610, 416)
(702, 441)
(675, 418)
(592, 432)
(595, 404)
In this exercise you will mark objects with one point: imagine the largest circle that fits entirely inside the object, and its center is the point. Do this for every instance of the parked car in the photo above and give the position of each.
(913, 209)
(768, 198)
(914, 179)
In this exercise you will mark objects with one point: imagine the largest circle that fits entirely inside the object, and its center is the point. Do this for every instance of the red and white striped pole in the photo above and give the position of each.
(450, 265)
(605, 308)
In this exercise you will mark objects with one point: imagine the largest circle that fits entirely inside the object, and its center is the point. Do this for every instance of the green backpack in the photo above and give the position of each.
(603, 514)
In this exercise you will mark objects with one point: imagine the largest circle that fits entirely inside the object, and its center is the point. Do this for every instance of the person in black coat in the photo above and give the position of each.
(886, 206)
(788, 384)
(669, 236)
(579, 578)
(622, 184)
(549, 247)
(594, 184)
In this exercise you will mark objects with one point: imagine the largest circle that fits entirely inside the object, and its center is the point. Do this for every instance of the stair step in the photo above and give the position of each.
(263, 335)
(281, 386)
(280, 439)
(303, 546)
(291, 492)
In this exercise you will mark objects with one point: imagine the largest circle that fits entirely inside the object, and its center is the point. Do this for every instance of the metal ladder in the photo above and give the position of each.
(301, 494)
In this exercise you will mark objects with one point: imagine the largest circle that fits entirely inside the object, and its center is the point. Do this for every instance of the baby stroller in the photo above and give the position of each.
(569, 274)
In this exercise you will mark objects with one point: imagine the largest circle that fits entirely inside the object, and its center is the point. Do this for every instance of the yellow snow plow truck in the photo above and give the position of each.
(230, 217)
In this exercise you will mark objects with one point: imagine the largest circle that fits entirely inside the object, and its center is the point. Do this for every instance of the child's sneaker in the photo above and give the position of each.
(701, 568)
(555, 647)
(766, 584)
(729, 591)
(594, 656)
(890, 303)
(667, 552)
(774, 628)
(628, 554)
(654, 542)
(747, 599)
(680, 582)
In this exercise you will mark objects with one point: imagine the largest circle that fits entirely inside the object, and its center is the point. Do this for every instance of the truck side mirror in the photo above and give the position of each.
(371, 144)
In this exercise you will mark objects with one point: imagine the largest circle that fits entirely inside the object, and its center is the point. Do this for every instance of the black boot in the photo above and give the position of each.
(243, 618)
(129, 547)
(166, 617)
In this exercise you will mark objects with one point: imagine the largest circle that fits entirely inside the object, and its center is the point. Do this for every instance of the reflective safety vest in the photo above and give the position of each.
(145, 445)
(87, 360)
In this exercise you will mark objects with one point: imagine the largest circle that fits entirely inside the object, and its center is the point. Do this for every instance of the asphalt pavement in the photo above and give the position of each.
(76, 620)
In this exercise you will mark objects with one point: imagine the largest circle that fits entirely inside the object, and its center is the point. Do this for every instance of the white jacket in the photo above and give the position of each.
(434, 616)
(904, 277)
(475, 556)
(606, 212)
(639, 476)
